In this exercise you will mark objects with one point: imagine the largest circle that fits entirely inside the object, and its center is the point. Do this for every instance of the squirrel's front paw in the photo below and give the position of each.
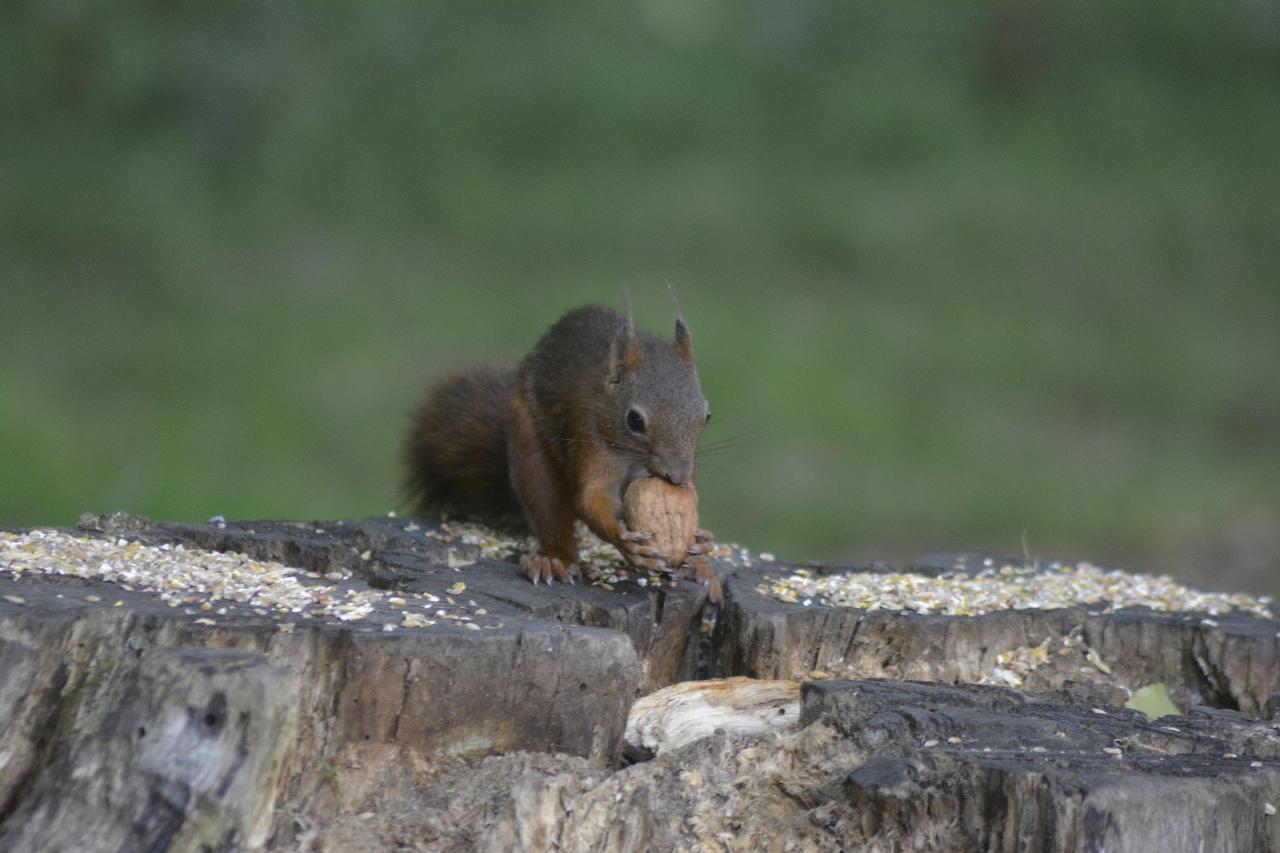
(547, 569)
(702, 543)
(638, 554)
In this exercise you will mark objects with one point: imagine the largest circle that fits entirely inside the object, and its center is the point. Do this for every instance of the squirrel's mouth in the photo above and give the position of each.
(674, 476)
(677, 474)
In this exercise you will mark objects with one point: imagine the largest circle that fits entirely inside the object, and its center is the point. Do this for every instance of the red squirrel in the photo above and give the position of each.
(559, 437)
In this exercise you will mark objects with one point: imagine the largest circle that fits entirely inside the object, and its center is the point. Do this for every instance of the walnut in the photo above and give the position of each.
(669, 512)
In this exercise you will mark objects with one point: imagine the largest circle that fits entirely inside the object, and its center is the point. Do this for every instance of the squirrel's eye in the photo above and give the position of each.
(635, 421)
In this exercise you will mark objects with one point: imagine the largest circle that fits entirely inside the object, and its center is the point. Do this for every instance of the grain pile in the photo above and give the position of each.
(215, 584)
(1007, 587)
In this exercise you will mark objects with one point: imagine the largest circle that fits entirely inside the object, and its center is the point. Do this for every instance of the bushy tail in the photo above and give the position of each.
(456, 452)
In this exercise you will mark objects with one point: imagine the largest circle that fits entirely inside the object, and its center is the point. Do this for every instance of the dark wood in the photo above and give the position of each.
(138, 727)
(1228, 661)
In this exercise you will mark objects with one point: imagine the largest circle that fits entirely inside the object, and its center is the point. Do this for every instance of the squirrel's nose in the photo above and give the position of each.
(677, 475)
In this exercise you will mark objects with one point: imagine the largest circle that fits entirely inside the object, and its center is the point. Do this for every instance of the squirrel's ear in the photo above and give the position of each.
(624, 353)
(684, 340)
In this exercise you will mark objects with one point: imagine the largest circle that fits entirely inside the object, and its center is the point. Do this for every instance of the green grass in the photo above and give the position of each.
(947, 292)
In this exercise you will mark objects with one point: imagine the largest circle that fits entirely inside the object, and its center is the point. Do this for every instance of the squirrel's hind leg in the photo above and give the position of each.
(698, 568)
(697, 565)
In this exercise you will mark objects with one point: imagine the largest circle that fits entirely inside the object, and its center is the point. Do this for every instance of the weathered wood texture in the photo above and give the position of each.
(880, 766)
(170, 749)
(691, 710)
(139, 727)
(1230, 661)
(985, 768)
(329, 707)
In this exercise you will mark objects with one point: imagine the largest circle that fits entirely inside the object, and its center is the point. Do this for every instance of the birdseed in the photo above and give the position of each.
(210, 581)
(1008, 588)
(597, 559)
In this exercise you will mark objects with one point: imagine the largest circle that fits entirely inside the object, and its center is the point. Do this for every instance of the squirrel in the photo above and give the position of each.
(535, 446)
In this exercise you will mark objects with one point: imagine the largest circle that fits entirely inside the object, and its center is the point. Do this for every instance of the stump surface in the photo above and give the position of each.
(147, 726)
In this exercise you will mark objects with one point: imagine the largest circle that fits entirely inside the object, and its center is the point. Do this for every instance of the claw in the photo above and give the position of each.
(640, 555)
(648, 559)
(547, 570)
(702, 544)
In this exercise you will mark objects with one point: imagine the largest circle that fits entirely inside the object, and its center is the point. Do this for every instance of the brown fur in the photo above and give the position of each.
(456, 452)
(548, 442)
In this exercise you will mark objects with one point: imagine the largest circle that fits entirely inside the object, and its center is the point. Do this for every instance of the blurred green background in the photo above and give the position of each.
(962, 275)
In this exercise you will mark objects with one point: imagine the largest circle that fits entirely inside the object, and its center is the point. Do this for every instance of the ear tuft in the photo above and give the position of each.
(625, 354)
(684, 340)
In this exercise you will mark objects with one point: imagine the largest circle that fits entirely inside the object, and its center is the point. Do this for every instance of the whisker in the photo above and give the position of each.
(723, 444)
(623, 448)
(720, 445)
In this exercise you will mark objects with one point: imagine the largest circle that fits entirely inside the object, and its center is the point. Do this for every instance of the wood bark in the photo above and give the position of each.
(140, 726)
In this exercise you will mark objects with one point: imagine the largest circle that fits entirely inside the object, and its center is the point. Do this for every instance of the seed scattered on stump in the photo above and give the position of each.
(1009, 587)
